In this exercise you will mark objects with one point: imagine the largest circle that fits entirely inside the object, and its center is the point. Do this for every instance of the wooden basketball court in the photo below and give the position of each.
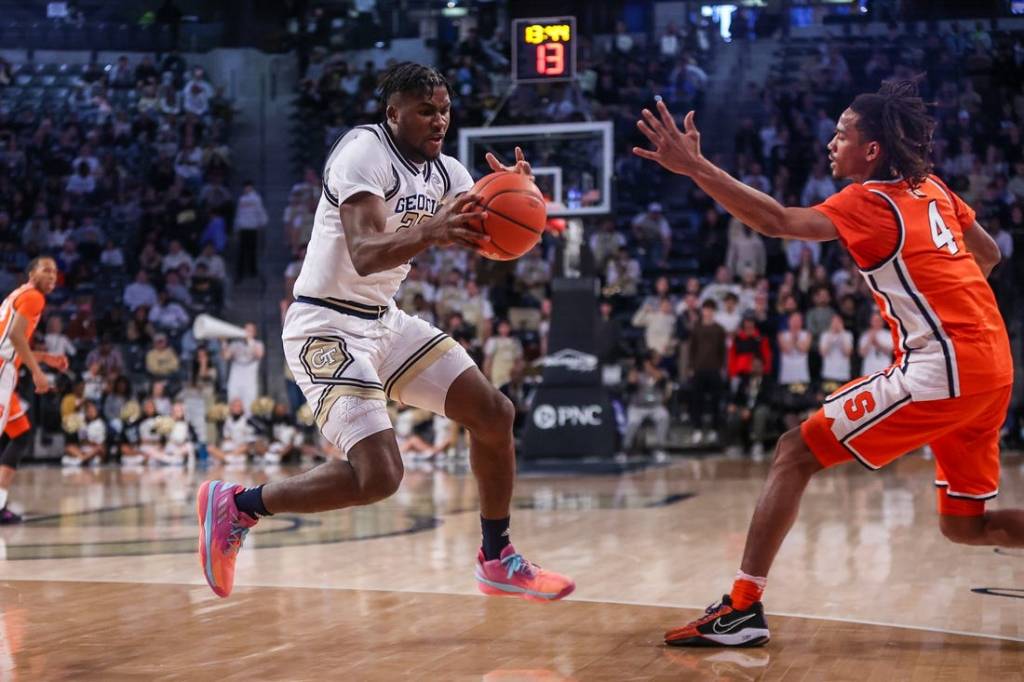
(103, 582)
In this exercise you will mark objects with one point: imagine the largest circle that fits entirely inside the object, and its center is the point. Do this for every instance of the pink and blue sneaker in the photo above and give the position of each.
(512, 575)
(222, 529)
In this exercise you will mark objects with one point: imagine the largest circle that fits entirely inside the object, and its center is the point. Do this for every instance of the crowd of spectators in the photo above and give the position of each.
(974, 75)
(714, 326)
(767, 327)
(498, 311)
(617, 74)
(781, 324)
(122, 173)
(158, 431)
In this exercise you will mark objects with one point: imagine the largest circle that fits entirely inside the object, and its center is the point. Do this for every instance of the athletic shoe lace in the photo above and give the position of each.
(710, 614)
(236, 537)
(714, 608)
(517, 563)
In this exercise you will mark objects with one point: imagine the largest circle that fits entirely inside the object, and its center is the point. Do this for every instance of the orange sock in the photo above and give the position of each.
(746, 590)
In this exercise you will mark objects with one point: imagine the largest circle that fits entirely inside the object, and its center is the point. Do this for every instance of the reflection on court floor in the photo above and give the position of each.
(387, 591)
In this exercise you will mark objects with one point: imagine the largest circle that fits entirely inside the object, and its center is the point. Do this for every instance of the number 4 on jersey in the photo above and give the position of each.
(941, 235)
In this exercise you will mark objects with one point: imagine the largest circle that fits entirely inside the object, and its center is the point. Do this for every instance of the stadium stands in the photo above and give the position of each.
(106, 167)
(779, 143)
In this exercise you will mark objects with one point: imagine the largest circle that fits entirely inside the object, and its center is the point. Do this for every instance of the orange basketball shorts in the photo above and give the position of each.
(13, 420)
(874, 421)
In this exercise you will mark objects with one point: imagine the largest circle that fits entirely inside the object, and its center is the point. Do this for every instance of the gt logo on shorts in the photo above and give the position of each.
(325, 358)
(322, 357)
(859, 405)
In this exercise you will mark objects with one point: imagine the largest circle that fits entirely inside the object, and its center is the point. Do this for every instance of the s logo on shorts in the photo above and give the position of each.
(325, 358)
(859, 405)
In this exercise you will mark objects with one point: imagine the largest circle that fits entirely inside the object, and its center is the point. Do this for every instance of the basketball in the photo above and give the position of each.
(516, 214)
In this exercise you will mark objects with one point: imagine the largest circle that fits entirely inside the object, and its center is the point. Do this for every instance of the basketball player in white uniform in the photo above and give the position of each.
(388, 194)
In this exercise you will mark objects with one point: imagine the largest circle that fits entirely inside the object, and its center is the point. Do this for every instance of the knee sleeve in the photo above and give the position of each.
(15, 450)
(352, 419)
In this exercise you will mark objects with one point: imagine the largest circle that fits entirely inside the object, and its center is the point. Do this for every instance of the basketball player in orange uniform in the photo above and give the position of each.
(925, 259)
(19, 316)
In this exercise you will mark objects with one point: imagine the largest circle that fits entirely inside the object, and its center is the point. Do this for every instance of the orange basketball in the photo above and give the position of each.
(516, 214)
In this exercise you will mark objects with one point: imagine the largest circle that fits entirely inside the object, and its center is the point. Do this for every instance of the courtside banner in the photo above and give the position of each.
(570, 421)
(570, 414)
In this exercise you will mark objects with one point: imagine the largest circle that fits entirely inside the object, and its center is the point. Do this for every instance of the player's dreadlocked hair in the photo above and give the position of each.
(897, 118)
(410, 77)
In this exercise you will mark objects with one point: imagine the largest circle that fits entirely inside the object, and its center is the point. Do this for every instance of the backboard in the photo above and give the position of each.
(572, 161)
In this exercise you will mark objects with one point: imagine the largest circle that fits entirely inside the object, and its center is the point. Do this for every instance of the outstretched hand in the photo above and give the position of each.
(521, 165)
(676, 150)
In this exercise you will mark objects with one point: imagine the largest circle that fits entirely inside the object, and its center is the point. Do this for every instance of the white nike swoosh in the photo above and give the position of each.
(729, 627)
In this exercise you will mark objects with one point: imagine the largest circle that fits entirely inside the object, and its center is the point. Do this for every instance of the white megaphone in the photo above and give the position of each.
(210, 327)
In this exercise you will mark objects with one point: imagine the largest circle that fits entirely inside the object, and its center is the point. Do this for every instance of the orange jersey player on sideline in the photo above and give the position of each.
(926, 259)
(19, 316)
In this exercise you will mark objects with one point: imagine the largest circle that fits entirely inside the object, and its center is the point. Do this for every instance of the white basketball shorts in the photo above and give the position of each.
(350, 358)
(8, 380)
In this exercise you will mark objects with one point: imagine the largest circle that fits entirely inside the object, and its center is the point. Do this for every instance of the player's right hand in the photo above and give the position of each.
(676, 150)
(42, 382)
(453, 224)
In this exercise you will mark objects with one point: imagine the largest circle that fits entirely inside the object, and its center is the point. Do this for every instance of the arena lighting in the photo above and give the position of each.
(453, 11)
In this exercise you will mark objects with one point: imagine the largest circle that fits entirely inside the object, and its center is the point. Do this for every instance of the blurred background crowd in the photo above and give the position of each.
(722, 337)
(714, 336)
(122, 172)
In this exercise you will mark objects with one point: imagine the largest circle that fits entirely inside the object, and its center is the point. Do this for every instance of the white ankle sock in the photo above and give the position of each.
(3, 497)
(757, 580)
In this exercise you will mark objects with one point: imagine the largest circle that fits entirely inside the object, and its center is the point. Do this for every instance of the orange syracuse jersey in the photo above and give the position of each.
(948, 335)
(29, 303)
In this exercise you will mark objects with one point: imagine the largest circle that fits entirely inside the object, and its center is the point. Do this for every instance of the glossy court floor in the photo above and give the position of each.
(102, 582)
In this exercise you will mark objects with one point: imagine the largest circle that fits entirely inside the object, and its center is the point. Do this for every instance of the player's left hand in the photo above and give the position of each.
(42, 382)
(521, 165)
(676, 150)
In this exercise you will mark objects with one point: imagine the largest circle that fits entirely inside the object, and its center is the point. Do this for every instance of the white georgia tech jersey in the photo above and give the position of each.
(366, 159)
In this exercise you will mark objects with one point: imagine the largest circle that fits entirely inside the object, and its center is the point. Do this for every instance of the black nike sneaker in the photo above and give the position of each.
(722, 625)
(7, 517)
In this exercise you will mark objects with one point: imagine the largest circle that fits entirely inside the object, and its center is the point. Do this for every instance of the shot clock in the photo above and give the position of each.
(544, 49)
